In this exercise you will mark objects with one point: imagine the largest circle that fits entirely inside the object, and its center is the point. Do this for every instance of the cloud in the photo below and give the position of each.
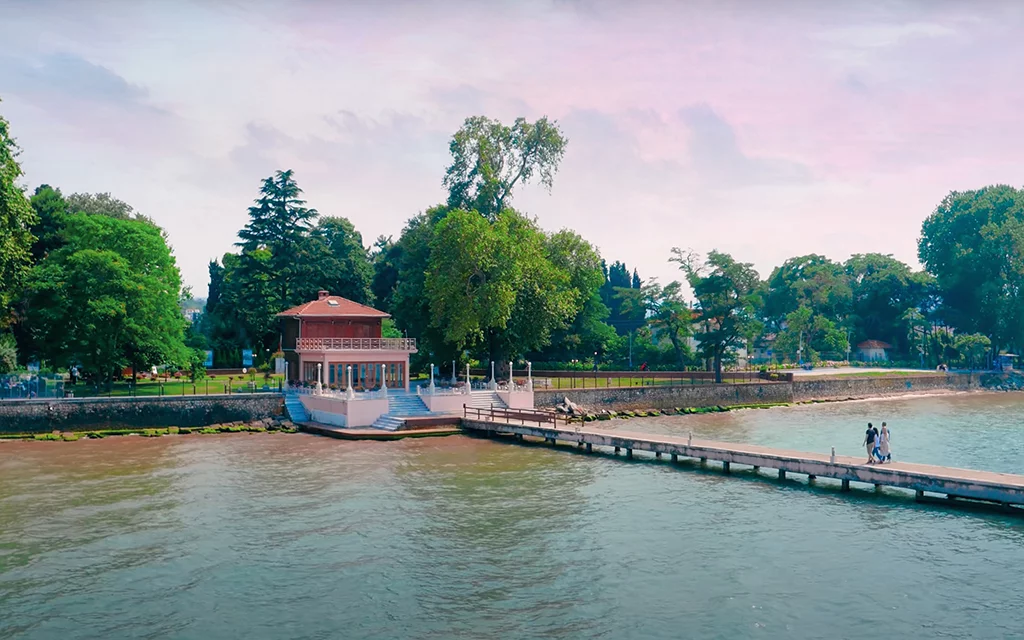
(62, 76)
(720, 163)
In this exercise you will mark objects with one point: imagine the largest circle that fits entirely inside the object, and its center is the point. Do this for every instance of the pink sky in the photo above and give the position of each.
(765, 129)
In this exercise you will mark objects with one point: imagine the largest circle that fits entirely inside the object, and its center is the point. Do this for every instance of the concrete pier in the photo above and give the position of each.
(1001, 488)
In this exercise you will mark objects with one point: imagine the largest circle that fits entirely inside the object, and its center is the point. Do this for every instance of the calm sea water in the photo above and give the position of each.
(294, 536)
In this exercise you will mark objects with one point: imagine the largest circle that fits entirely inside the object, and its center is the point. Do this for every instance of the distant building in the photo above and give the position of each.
(336, 333)
(762, 351)
(873, 351)
(192, 315)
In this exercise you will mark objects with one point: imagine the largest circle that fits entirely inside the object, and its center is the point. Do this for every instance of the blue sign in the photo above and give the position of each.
(208, 363)
(246, 357)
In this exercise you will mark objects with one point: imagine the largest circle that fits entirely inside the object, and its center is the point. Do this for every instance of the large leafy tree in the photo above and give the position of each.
(883, 288)
(491, 286)
(108, 298)
(665, 312)
(614, 290)
(489, 159)
(51, 209)
(727, 296)
(588, 333)
(973, 243)
(16, 221)
(103, 204)
(811, 281)
(337, 261)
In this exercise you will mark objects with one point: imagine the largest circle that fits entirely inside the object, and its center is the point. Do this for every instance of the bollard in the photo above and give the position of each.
(833, 459)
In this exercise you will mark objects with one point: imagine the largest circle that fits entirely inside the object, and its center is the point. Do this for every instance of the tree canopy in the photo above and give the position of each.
(727, 297)
(16, 221)
(107, 298)
(490, 159)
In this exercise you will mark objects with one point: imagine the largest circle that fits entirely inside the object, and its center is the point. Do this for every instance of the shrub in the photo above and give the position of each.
(47, 436)
(69, 437)
(173, 430)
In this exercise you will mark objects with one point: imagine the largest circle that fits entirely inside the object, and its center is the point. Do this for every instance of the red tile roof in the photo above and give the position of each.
(333, 307)
(874, 344)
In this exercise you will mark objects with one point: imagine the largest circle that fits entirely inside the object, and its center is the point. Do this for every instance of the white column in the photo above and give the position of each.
(511, 381)
(469, 388)
(454, 379)
(431, 378)
(384, 379)
(493, 384)
(319, 378)
(529, 376)
(349, 392)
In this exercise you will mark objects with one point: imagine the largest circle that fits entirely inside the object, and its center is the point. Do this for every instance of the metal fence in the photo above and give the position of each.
(23, 386)
(55, 387)
(616, 379)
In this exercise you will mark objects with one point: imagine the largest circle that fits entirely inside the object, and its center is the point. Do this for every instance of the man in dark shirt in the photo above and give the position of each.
(869, 439)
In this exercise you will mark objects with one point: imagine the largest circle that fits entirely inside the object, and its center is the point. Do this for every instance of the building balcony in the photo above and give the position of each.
(356, 344)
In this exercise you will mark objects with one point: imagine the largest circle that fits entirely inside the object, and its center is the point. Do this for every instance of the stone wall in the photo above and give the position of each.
(706, 395)
(836, 388)
(82, 414)
(666, 397)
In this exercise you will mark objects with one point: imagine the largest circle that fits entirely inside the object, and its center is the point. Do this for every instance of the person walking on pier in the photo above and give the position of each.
(870, 436)
(883, 445)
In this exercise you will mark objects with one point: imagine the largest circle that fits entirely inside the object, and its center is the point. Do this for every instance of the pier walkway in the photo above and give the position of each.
(1000, 488)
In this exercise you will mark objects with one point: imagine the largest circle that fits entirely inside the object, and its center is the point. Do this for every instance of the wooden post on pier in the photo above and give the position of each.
(782, 474)
(675, 457)
(616, 450)
(629, 453)
(590, 447)
(725, 467)
(919, 495)
(846, 485)
(657, 454)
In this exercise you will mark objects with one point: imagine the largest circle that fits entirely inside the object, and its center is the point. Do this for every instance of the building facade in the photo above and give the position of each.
(330, 334)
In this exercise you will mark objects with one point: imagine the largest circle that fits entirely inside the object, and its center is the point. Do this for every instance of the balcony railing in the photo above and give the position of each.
(356, 344)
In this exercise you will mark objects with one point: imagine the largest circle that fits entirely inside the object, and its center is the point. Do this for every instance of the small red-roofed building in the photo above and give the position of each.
(873, 351)
(337, 333)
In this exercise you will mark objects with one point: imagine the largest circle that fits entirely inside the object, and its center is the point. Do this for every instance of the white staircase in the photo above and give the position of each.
(388, 423)
(296, 412)
(485, 400)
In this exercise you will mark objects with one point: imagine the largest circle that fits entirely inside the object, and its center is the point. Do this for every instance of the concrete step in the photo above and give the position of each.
(388, 423)
(296, 412)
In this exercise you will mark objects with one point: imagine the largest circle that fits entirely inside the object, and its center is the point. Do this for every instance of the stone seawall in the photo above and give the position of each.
(702, 395)
(707, 395)
(37, 416)
(846, 388)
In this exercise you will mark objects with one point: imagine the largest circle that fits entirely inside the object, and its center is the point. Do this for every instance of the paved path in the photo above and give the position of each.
(1003, 488)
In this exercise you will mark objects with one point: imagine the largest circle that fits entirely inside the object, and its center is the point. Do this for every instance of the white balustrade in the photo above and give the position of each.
(356, 344)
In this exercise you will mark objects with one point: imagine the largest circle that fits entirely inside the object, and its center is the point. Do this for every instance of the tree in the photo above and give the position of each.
(489, 159)
(8, 353)
(492, 285)
(278, 222)
(883, 288)
(16, 221)
(103, 204)
(617, 282)
(811, 281)
(666, 313)
(338, 261)
(726, 293)
(973, 243)
(972, 348)
(384, 257)
(587, 333)
(51, 210)
(107, 299)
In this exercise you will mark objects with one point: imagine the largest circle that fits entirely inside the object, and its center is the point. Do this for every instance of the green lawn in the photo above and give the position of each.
(172, 387)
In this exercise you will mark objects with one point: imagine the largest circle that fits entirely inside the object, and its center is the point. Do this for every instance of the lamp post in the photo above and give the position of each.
(469, 388)
(319, 378)
(350, 394)
(529, 376)
(384, 380)
(511, 382)
(493, 384)
(454, 379)
(431, 378)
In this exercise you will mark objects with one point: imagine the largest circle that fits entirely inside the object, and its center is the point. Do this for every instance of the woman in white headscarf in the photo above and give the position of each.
(883, 445)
